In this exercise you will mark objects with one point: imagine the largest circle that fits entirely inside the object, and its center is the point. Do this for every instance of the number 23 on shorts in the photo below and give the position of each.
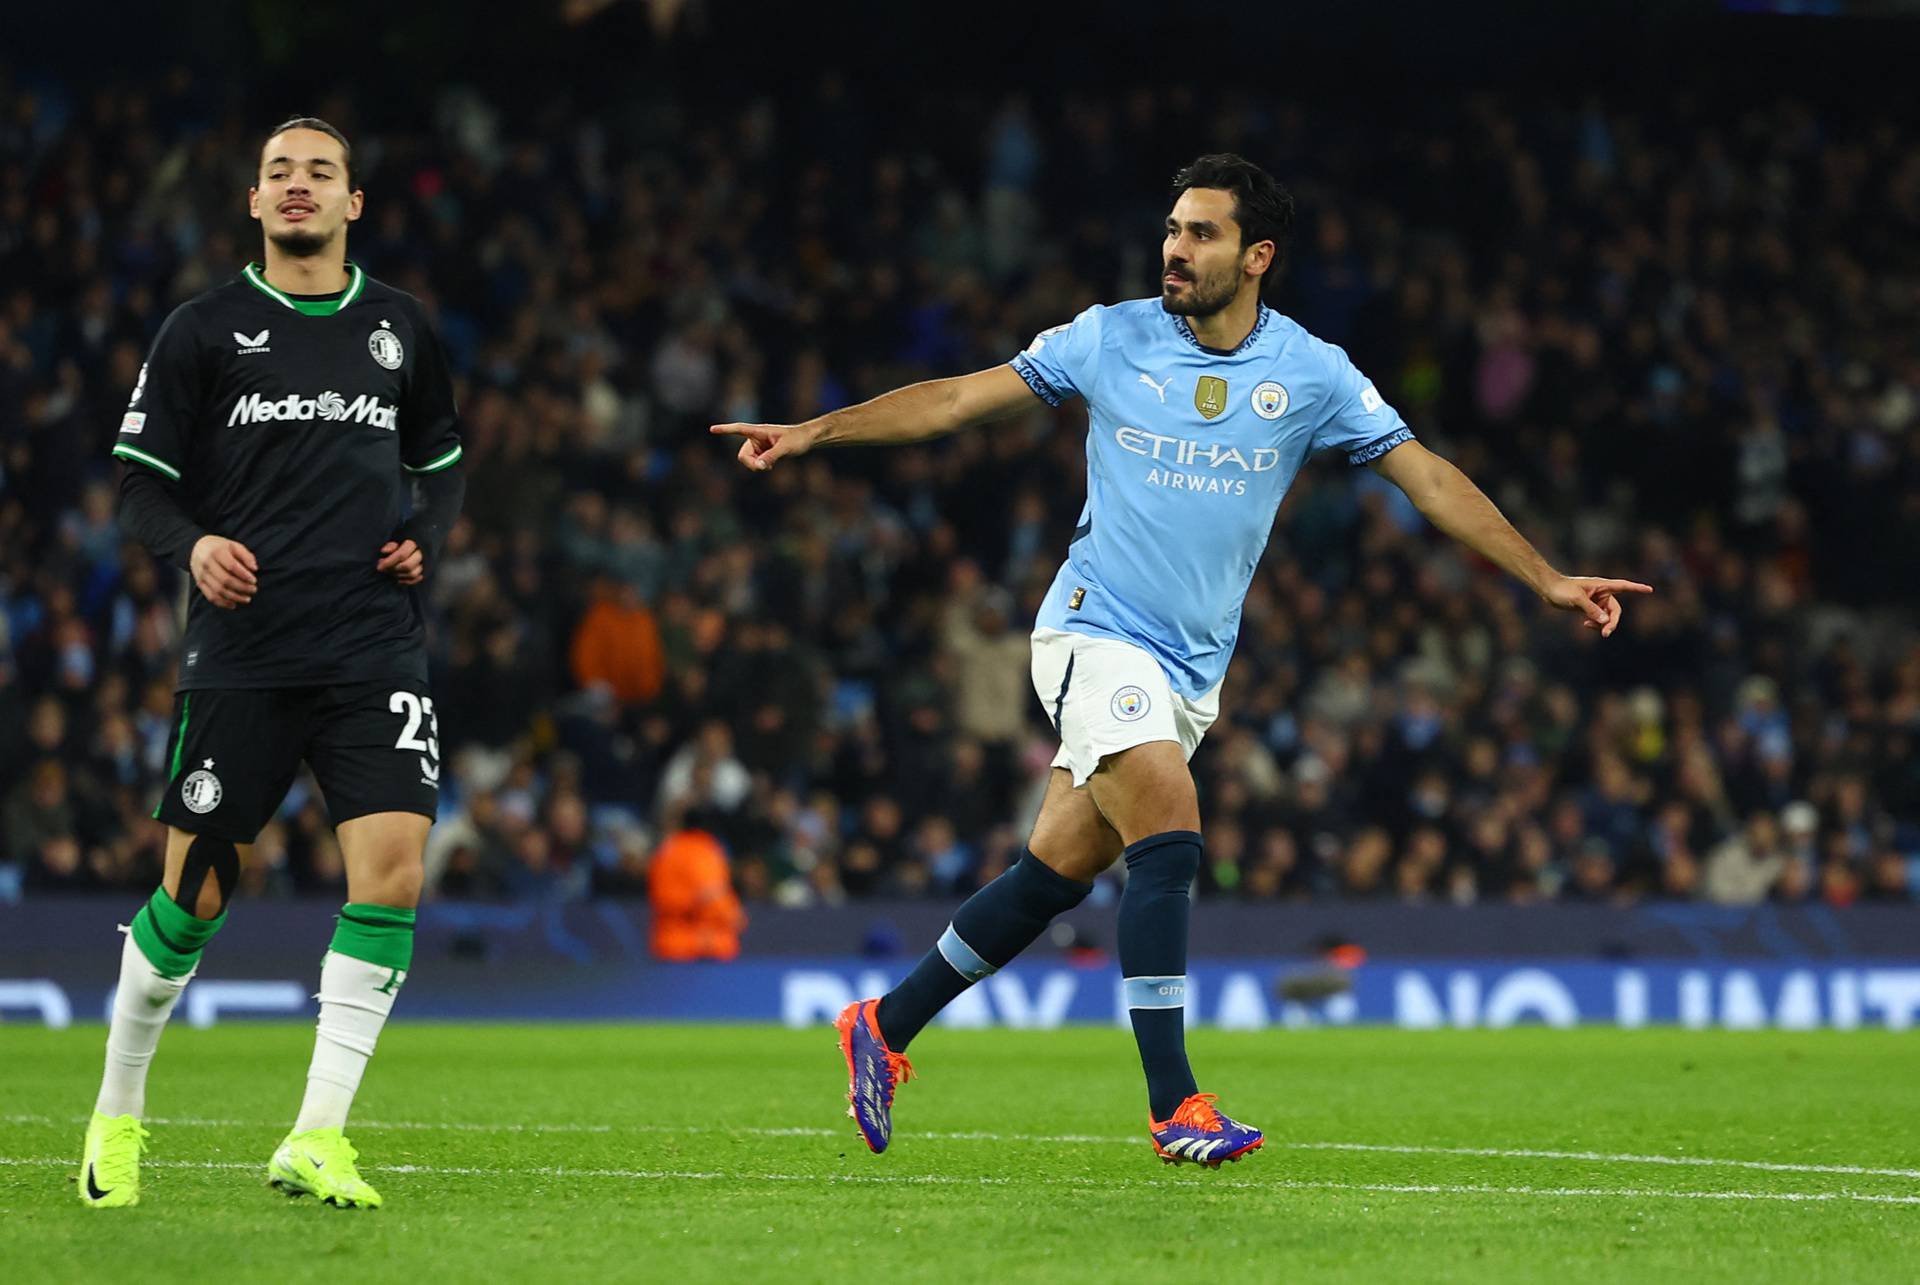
(418, 711)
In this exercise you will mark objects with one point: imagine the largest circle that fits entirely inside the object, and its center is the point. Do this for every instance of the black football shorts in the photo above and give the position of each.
(373, 747)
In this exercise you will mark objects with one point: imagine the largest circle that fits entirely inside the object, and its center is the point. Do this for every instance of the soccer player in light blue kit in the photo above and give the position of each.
(1202, 404)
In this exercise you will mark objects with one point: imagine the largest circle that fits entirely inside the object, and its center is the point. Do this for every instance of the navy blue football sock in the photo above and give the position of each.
(994, 925)
(1153, 959)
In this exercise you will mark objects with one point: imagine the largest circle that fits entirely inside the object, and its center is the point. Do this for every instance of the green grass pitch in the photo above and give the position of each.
(683, 1154)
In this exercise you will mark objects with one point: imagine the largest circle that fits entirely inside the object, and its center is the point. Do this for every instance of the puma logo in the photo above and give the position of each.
(1160, 388)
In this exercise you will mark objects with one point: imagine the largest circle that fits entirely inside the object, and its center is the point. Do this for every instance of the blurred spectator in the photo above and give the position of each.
(992, 675)
(42, 828)
(703, 774)
(1743, 869)
(695, 912)
(617, 646)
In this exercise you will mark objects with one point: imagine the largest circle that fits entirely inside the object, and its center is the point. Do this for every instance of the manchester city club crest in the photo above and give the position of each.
(1129, 704)
(385, 347)
(202, 790)
(1210, 396)
(1270, 400)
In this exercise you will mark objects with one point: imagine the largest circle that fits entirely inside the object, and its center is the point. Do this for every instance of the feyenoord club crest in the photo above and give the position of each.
(1210, 396)
(202, 790)
(385, 347)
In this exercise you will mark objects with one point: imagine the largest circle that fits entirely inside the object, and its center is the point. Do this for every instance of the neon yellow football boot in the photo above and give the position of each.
(320, 1162)
(110, 1168)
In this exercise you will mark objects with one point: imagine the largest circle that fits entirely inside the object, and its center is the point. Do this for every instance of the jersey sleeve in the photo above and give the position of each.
(157, 429)
(1358, 421)
(429, 420)
(1060, 362)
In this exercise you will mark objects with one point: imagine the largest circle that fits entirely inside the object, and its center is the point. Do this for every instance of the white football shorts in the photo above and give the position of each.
(1105, 696)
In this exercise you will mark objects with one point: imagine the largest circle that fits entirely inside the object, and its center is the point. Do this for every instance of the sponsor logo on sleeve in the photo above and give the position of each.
(1040, 340)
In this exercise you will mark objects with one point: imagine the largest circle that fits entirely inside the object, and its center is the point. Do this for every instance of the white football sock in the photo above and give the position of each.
(355, 999)
(141, 1008)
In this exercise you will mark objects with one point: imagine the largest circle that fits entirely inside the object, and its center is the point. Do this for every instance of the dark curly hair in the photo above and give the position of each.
(1261, 206)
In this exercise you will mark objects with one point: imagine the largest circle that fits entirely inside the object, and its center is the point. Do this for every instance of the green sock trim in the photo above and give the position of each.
(170, 937)
(381, 935)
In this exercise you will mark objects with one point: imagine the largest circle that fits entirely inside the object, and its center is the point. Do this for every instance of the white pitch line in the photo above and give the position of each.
(972, 1135)
(945, 1180)
(449, 1126)
(1604, 1157)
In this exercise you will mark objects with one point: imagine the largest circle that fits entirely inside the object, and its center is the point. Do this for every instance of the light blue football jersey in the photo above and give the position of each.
(1189, 452)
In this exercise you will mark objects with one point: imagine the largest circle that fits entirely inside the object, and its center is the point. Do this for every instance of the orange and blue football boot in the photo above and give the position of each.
(874, 1071)
(1198, 1134)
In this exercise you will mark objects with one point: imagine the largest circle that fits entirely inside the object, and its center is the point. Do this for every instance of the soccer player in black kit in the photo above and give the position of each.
(268, 450)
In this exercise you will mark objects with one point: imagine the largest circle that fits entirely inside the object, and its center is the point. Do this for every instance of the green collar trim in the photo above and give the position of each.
(310, 307)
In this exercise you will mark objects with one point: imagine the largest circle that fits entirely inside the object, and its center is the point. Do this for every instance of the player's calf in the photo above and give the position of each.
(157, 960)
(162, 949)
(365, 966)
(987, 932)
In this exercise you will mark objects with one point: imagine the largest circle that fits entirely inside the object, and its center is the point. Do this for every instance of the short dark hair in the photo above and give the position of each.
(1261, 206)
(315, 123)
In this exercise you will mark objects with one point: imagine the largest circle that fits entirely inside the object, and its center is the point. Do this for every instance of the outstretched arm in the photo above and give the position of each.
(911, 414)
(1451, 501)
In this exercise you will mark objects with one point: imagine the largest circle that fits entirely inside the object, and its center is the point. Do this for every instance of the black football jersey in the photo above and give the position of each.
(294, 431)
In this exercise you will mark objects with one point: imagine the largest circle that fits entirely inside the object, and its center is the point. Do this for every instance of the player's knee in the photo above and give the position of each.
(1069, 837)
(1147, 790)
(1163, 863)
(406, 885)
(209, 876)
(1083, 858)
(392, 881)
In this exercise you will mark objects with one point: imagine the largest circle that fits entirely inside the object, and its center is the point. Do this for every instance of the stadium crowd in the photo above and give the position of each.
(1676, 342)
